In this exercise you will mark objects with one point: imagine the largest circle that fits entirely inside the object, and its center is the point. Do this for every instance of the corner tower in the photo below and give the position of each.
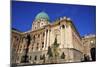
(40, 21)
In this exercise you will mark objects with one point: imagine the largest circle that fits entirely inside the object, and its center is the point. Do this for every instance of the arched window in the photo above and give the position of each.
(93, 53)
(63, 26)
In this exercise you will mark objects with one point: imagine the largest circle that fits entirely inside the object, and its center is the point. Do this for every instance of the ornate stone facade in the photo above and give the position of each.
(89, 43)
(33, 45)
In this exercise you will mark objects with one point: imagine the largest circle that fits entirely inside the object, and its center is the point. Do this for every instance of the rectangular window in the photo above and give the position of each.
(35, 58)
(42, 44)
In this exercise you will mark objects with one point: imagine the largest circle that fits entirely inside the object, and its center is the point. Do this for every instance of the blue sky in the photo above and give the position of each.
(83, 17)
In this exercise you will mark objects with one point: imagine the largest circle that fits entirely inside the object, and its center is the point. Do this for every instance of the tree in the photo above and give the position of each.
(93, 54)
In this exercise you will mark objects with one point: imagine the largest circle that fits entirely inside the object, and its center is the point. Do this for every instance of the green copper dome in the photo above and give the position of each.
(42, 15)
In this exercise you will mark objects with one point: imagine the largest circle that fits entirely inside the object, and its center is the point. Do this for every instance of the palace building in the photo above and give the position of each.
(89, 43)
(46, 42)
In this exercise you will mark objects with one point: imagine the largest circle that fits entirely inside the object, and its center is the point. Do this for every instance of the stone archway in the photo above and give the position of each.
(93, 53)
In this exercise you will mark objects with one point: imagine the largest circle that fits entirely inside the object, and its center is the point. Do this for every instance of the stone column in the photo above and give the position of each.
(61, 37)
(65, 37)
(48, 39)
(39, 46)
(44, 40)
(40, 42)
